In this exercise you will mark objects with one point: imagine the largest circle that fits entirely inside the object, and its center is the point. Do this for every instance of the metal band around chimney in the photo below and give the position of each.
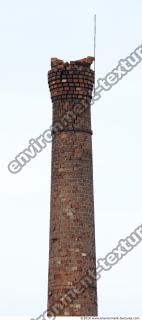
(72, 129)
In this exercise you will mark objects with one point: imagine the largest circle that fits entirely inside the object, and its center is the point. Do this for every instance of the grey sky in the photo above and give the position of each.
(32, 32)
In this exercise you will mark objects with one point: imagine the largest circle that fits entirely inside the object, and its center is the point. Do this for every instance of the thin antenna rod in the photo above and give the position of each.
(94, 47)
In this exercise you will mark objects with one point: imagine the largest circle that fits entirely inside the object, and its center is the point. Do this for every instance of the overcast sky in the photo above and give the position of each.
(31, 32)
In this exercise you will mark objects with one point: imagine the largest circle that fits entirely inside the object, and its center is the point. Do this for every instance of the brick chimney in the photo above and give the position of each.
(72, 233)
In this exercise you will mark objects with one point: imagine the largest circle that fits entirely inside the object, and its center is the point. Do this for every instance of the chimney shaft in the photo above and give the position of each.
(72, 233)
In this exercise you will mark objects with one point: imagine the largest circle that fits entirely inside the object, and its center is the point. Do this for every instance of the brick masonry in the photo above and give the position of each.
(72, 232)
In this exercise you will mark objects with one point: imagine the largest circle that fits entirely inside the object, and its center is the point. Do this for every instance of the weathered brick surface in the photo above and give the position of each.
(70, 81)
(72, 235)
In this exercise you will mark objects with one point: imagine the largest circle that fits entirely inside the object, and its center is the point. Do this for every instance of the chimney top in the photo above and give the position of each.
(59, 64)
